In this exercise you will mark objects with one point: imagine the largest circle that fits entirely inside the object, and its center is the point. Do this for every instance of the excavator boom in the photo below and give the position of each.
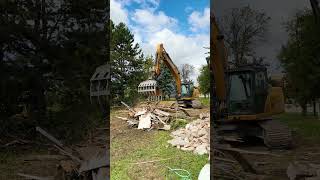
(219, 61)
(163, 56)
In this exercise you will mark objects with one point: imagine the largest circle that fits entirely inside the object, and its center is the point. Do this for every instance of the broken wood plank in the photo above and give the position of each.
(13, 143)
(27, 176)
(49, 136)
(139, 113)
(245, 151)
(161, 113)
(95, 162)
(167, 109)
(64, 152)
(166, 127)
(128, 107)
(126, 119)
(43, 158)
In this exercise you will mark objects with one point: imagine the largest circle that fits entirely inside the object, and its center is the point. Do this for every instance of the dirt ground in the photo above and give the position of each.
(130, 147)
(274, 167)
(41, 159)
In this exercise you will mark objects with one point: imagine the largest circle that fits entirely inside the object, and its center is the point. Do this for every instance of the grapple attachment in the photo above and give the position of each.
(100, 89)
(148, 87)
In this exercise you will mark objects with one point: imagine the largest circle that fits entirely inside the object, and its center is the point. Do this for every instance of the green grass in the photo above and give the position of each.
(205, 101)
(307, 126)
(155, 149)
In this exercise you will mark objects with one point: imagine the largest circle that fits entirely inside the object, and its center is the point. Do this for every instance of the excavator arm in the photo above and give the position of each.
(163, 56)
(218, 65)
(315, 9)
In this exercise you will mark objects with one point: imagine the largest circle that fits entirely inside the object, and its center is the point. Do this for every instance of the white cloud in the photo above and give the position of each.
(199, 20)
(151, 27)
(152, 21)
(182, 49)
(144, 4)
(149, 4)
(118, 13)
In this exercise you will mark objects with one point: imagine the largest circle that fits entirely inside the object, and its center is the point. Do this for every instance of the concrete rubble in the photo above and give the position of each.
(194, 137)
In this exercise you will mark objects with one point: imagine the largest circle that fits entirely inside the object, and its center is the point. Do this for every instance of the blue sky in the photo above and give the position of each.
(179, 9)
(181, 25)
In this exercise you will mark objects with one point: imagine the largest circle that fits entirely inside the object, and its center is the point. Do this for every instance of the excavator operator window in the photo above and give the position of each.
(240, 92)
(185, 90)
(261, 82)
(240, 87)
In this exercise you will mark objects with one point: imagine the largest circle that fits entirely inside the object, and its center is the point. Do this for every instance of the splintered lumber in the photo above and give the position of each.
(126, 119)
(44, 158)
(149, 118)
(245, 151)
(161, 113)
(167, 109)
(128, 107)
(58, 144)
(98, 161)
(49, 136)
(139, 113)
(64, 152)
(27, 176)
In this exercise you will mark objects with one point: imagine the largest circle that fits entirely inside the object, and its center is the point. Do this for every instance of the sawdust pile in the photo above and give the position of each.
(194, 137)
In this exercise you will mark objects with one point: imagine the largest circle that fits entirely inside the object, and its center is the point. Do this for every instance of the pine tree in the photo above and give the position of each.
(166, 81)
(127, 64)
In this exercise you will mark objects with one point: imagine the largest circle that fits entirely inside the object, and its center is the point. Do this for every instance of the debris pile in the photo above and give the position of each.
(85, 162)
(303, 170)
(148, 118)
(194, 137)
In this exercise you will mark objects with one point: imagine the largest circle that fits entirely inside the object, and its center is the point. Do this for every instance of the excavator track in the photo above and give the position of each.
(275, 134)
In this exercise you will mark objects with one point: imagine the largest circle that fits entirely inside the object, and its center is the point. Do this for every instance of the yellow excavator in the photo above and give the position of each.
(243, 101)
(187, 94)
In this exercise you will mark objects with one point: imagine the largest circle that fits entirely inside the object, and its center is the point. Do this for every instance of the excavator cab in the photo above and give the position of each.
(187, 89)
(247, 90)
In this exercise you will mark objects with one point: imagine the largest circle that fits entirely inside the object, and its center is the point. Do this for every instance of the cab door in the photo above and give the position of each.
(261, 91)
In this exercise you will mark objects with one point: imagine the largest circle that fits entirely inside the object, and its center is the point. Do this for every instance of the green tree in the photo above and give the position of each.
(204, 80)
(48, 52)
(300, 58)
(127, 63)
(148, 66)
(166, 82)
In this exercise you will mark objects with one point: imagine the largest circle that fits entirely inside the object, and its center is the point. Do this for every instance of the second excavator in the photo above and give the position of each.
(243, 100)
(187, 94)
